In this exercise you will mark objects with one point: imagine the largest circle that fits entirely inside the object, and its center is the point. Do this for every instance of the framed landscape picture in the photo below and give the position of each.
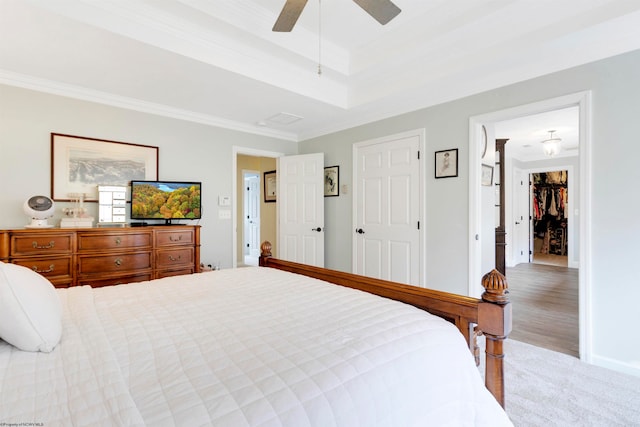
(80, 164)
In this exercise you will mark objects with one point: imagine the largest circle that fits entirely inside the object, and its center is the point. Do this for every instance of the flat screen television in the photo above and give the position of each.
(165, 200)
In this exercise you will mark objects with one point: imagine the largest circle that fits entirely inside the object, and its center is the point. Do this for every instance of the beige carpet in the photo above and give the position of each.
(547, 388)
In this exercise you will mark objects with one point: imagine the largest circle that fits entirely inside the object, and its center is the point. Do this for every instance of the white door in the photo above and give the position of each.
(388, 200)
(300, 201)
(252, 215)
(521, 235)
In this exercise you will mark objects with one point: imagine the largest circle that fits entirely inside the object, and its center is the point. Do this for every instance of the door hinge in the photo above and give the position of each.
(418, 155)
(418, 225)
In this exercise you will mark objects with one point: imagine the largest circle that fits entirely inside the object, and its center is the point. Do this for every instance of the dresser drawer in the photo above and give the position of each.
(117, 280)
(41, 244)
(174, 257)
(109, 241)
(53, 267)
(120, 262)
(179, 272)
(174, 237)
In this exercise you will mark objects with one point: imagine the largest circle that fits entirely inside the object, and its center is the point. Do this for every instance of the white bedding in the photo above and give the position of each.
(245, 347)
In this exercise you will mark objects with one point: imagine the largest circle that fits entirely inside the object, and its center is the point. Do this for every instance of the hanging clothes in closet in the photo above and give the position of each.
(550, 212)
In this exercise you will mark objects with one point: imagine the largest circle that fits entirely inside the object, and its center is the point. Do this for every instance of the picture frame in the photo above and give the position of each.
(79, 164)
(270, 186)
(446, 163)
(331, 181)
(487, 175)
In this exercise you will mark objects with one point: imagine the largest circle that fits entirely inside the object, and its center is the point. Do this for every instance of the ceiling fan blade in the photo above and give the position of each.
(289, 16)
(382, 11)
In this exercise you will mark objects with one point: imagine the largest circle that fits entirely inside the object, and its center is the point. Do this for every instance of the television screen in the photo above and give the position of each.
(167, 200)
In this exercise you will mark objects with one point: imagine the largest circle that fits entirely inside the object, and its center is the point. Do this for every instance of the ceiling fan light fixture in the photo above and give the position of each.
(551, 146)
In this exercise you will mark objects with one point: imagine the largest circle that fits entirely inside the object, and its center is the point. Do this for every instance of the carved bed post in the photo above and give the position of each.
(265, 252)
(495, 306)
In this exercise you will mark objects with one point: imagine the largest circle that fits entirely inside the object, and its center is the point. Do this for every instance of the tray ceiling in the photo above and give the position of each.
(218, 62)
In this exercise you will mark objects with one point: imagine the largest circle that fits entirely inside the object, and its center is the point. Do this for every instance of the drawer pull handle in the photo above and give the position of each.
(171, 258)
(118, 262)
(118, 241)
(175, 239)
(35, 268)
(47, 246)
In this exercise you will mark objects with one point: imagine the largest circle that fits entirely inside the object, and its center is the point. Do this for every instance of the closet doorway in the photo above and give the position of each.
(549, 226)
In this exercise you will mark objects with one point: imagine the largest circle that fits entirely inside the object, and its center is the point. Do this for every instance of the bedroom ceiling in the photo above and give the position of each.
(218, 62)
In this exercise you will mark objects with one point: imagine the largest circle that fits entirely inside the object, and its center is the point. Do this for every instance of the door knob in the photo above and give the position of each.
(517, 223)
(317, 229)
(359, 231)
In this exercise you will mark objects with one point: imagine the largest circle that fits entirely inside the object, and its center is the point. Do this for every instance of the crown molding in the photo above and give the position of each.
(76, 92)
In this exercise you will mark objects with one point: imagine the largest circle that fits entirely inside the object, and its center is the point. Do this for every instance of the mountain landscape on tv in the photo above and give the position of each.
(166, 201)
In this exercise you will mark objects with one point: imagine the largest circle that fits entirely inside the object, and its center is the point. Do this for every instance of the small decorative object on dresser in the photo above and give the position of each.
(112, 205)
(39, 209)
(76, 217)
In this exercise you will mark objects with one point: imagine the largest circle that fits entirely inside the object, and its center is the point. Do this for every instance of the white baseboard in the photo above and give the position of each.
(618, 366)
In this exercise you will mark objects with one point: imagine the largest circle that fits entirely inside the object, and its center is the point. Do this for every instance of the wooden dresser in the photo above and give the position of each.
(104, 256)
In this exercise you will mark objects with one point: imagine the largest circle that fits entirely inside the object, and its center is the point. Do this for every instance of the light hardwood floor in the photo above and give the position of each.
(545, 306)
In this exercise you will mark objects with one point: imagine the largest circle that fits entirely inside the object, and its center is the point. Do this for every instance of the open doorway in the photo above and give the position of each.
(539, 220)
(251, 217)
(249, 166)
(579, 210)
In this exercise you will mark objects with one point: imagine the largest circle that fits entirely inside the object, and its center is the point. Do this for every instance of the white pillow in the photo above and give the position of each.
(30, 309)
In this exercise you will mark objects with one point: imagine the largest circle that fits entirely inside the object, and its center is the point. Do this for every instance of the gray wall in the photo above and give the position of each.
(187, 151)
(615, 227)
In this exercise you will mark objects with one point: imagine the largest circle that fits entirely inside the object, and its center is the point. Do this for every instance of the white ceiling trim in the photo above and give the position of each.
(256, 20)
(76, 92)
(258, 60)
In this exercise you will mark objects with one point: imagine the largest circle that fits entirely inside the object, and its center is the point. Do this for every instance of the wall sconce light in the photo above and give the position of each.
(551, 146)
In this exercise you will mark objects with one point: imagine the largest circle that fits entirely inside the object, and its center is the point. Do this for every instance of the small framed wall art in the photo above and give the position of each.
(487, 175)
(332, 181)
(446, 163)
(270, 187)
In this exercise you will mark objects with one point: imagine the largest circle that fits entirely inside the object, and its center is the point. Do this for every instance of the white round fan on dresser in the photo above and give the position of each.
(39, 208)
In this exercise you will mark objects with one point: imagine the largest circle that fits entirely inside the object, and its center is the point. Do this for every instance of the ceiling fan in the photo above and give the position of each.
(382, 11)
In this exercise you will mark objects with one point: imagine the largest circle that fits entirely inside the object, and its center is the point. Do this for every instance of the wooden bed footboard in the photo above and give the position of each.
(489, 316)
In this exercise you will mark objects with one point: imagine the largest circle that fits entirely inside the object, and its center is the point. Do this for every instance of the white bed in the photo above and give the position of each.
(245, 347)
